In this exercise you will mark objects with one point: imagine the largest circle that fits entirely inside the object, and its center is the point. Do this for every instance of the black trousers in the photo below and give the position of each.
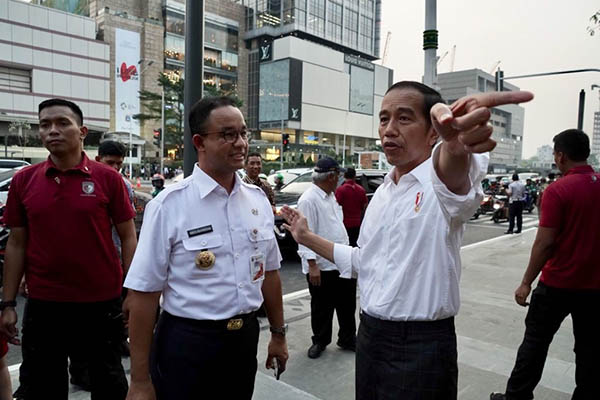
(412, 360)
(191, 361)
(91, 331)
(337, 294)
(515, 210)
(547, 310)
(353, 235)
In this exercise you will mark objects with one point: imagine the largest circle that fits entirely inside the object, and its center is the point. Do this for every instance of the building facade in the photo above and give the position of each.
(596, 136)
(46, 53)
(507, 120)
(311, 76)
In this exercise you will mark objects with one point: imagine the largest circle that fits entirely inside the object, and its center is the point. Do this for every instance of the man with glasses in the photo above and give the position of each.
(207, 246)
(328, 292)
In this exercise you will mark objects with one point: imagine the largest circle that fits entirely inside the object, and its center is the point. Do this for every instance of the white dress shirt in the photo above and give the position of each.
(517, 191)
(325, 218)
(408, 254)
(241, 224)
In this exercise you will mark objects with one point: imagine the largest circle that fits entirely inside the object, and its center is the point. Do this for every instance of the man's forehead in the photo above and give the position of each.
(254, 159)
(402, 98)
(57, 111)
(226, 116)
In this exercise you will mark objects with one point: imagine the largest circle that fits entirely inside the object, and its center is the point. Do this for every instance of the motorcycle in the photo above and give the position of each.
(500, 208)
(486, 205)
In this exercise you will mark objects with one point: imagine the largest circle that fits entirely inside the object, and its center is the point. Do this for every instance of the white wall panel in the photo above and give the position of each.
(5, 31)
(22, 55)
(323, 86)
(57, 21)
(17, 11)
(79, 65)
(96, 89)
(6, 99)
(41, 81)
(5, 52)
(96, 68)
(79, 87)
(61, 42)
(307, 51)
(79, 46)
(20, 34)
(360, 125)
(22, 102)
(42, 58)
(4, 9)
(321, 119)
(38, 16)
(381, 80)
(89, 29)
(75, 25)
(95, 50)
(62, 85)
(376, 108)
(42, 39)
(61, 62)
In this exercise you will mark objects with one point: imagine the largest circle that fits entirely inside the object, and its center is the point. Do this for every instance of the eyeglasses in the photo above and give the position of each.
(229, 136)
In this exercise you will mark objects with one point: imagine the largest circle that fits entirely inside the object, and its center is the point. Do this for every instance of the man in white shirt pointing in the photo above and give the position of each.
(407, 259)
(328, 292)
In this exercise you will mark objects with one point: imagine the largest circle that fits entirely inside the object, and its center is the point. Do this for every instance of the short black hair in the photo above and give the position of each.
(430, 96)
(201, 110)
(111, 148)
(350, 173)
(574, 143)
(62, 102)
(253, 154)
(515, 177)
(551, 175)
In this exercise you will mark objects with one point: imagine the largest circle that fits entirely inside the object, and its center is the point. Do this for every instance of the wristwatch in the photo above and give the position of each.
(279, 331)
(5, 304)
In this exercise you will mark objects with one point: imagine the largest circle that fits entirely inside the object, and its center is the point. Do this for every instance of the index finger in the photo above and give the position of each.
(491, 99)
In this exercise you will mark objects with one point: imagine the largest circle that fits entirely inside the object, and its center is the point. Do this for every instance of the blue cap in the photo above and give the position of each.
(327, 164)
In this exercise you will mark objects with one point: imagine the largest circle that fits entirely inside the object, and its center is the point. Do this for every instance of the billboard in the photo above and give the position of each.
(127, 80)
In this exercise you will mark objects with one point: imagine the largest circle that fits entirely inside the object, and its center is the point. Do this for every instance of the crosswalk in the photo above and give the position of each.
(529, 220)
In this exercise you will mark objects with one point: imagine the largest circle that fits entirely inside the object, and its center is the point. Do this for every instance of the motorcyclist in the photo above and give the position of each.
(278, 182)
(532, 189)
(158, 182)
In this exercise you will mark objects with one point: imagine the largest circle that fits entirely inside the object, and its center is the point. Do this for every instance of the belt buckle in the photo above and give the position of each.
(235, 324)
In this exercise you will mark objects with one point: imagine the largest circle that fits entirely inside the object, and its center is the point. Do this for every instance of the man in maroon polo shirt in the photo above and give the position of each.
(565, 251)
(60, 213)
(353, 199)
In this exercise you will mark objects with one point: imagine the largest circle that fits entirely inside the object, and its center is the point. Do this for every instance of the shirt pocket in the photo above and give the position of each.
(259, 239)
(194, 245)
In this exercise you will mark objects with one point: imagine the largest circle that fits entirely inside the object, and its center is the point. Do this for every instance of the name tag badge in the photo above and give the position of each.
(200, 231)
(257, 266)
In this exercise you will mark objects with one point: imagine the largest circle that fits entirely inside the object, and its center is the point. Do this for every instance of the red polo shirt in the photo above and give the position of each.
(571, 206)
(352, 197)
(70, 255)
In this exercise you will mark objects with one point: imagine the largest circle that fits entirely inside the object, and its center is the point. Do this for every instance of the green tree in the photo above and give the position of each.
(151, 110)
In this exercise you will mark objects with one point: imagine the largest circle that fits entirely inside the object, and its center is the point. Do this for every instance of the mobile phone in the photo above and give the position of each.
(278, 369)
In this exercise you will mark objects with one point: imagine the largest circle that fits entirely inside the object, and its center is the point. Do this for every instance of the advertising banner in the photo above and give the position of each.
(127, 82)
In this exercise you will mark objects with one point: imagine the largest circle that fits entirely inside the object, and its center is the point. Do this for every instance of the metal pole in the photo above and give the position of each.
(130, 150)
(430, 43)
(344, 152)
(194, 74)
(162, 130)
(581, 107)
(281, 143)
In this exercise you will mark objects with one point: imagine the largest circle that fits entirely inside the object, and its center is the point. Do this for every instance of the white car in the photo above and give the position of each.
(7, 164)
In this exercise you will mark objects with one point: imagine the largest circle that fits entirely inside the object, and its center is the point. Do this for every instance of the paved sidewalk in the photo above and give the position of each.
(490, 327)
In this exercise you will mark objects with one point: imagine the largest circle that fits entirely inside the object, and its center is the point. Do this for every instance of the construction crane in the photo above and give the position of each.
(452, 57)
(386, 47)
(440, 59)
(494, 66)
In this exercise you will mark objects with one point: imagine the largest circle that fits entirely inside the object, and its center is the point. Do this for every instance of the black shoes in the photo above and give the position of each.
(519, 231)
(508, 232)
(347, 346)
(315, 350)
(497, 396)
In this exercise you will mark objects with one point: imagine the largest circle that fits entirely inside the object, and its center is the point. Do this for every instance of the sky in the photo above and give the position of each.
(527, 36)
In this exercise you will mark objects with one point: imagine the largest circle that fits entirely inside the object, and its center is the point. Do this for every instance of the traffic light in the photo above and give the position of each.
(157, 137)
(285, 141)
(499, 80)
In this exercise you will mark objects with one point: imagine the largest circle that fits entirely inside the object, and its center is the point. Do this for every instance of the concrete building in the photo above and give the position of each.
(545, 157)
(596, 136)
(47, 53)
(311, 76)
(507, 120)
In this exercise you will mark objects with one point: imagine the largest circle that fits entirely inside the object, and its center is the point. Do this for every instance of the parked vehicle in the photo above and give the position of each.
(369, 179)
(288, 175)
(500, 208)
(9, 163)
(486, 205)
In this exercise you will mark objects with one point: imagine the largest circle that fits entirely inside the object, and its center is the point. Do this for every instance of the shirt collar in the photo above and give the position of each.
(84, 166)
(206, 184)
(421, 173)
(319, 191)
(582, 169)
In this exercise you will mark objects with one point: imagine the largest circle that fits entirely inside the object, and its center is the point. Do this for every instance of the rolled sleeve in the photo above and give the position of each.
(346, 258)
(457, 206)
(306, 208)
(273, 261)
(148, 271)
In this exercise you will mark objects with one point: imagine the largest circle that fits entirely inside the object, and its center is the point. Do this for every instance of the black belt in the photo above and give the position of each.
(231, 324)
(412, 326)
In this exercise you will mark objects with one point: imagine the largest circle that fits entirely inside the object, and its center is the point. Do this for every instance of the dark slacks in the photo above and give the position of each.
(353, 233)
(412, 360)
(547, 310)
(515, 211)
(191, 361)
(91, 331)
(335, 294)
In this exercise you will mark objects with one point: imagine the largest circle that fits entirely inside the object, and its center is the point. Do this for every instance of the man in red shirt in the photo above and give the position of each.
(565, 251)
(353, 199)
(60, 213)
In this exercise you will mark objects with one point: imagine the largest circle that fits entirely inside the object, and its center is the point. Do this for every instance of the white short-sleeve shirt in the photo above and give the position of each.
(408, 254)
(198, 215)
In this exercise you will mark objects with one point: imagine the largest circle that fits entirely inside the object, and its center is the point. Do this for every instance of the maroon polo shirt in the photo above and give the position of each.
(352, 197)
(571, 206)
(70, 255)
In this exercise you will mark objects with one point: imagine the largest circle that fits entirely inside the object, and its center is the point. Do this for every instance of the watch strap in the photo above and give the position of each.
(5, 304)
(282, 330)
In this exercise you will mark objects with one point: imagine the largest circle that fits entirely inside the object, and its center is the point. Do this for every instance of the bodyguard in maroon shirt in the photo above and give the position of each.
(60, 213)
(353, 199)
(566, 252)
